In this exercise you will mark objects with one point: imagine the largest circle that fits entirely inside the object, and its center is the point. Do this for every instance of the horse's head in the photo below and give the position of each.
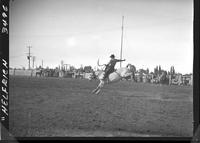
(131, 67)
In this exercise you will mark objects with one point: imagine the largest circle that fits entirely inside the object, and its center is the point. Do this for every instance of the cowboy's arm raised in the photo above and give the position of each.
(120, 60)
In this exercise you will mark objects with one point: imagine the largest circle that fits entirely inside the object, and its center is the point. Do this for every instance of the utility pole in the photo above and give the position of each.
(29, 56)
(122, 40)
(33, 61)
(42, 63)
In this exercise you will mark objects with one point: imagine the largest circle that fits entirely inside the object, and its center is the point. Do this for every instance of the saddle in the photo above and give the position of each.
(108, 70)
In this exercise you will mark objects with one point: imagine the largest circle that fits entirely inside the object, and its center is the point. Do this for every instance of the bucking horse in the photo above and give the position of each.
(115, 76)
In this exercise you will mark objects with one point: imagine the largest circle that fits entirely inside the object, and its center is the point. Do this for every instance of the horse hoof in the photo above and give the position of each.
(93, 91)
(97, 92)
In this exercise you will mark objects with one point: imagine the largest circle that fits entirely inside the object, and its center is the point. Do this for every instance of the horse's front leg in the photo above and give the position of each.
(95, 90)
(98, 89)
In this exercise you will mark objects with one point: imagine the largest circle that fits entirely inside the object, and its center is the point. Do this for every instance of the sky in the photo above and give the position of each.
(79, 32)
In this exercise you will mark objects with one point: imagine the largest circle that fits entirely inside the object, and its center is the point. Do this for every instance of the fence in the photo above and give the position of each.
(22, 72)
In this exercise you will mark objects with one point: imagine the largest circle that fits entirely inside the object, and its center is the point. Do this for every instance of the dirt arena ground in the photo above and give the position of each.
(62, 107)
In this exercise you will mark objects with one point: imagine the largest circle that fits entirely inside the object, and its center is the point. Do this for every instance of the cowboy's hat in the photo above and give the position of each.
(112, 56)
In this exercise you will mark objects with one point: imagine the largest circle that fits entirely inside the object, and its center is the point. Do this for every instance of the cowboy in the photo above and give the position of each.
(110, 67)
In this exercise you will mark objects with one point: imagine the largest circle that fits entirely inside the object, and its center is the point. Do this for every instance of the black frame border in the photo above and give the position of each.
(4, 44)
(4, 53)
